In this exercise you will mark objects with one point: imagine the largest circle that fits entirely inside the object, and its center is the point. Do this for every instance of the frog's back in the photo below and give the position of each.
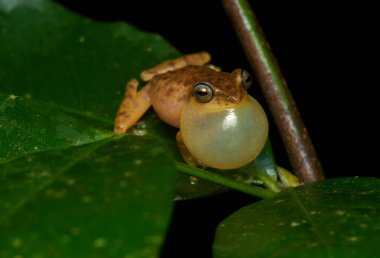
(172, 89)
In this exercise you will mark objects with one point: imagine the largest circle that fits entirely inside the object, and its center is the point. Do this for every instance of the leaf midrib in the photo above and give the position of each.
(314, 228)
(70, 112)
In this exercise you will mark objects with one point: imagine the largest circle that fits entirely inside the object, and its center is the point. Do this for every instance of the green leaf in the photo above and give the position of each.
(68, 186)
(332, 218)
(87, 201)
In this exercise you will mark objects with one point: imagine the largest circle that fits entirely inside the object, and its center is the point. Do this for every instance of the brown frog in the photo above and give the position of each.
(220, 125)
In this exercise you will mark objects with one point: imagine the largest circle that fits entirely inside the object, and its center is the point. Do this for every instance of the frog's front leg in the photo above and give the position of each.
(186, 155)
(199, 59)
(132, 107)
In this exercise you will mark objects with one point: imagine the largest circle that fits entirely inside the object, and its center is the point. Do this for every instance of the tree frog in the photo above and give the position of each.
(220, 125)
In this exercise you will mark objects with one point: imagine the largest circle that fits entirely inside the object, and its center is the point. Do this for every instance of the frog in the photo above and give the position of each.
(220, 124)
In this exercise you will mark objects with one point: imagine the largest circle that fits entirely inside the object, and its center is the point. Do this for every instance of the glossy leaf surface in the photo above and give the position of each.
(69, 187)
(87, 201)
(333, 218)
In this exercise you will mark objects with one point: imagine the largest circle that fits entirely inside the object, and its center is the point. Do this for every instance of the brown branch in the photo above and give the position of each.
(292, 129)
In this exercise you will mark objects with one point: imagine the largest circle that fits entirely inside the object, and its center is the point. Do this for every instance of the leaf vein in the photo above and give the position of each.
(314, 228)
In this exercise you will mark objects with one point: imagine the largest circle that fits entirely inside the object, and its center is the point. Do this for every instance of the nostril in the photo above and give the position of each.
(232, 99)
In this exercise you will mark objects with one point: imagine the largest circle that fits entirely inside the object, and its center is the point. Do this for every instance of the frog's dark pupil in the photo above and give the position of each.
(202, 92)
(248, 79)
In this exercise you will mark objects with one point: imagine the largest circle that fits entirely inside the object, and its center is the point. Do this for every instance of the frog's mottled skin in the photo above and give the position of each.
(171, 90)
(227, 132)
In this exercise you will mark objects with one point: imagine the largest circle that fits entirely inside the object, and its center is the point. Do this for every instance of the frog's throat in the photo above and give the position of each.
(224, 138)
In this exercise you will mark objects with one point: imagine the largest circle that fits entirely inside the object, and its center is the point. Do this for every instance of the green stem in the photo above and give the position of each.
(269, 183)
(293, 132)
(223, 181)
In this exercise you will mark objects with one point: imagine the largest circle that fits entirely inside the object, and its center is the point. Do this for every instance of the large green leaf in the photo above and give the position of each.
(77, 67)
(333, 218)
(68, 186)
(87, 201)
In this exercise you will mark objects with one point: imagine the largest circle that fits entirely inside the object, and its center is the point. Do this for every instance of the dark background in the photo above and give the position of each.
(327, 54)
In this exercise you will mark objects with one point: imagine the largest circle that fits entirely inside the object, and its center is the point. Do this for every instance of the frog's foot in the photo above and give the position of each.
(287, 179)
(214, 67)
(186, 155)
(199, 59)
(132, 107)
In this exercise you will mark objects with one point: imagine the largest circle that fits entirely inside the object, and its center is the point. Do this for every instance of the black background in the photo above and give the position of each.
(327, 54)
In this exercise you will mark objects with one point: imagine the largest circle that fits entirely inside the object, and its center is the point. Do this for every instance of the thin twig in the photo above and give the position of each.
(292, 129)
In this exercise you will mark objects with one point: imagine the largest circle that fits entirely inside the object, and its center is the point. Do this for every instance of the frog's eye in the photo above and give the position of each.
(246, 78)
(203, 92)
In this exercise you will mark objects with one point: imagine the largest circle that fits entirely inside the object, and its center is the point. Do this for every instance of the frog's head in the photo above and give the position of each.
(222, 126)
(225, 89)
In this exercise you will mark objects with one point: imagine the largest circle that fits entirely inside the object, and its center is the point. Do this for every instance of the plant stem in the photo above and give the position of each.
(223, 181)
(291, 127)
